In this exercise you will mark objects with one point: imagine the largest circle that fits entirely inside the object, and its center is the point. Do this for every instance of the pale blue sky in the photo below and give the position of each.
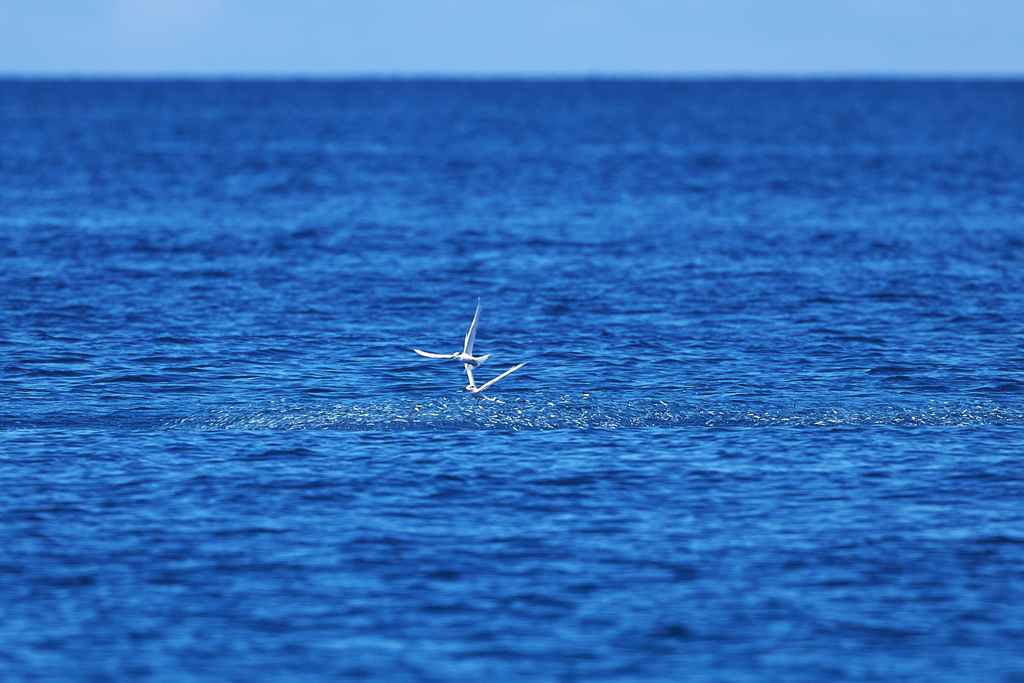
(512, 37)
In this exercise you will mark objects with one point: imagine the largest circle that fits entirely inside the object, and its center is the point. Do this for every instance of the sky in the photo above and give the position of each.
(326, 38)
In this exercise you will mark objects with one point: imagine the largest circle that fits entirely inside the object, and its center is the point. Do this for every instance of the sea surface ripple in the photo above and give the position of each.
(770, 429)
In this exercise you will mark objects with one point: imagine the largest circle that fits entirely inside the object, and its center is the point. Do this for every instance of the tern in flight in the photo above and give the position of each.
(478, 391)
(466, 355)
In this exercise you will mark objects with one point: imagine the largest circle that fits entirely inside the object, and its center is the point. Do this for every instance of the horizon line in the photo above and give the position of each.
(514, 76)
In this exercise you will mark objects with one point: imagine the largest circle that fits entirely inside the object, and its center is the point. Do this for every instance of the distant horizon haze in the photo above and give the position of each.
(530, 39)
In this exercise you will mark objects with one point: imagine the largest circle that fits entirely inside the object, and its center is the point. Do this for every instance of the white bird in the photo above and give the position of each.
(466, 355)
(478, 392)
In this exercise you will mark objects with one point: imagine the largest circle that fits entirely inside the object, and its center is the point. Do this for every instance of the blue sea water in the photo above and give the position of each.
(772, 428)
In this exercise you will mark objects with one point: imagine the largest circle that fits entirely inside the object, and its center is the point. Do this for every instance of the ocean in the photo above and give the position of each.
(771, 428)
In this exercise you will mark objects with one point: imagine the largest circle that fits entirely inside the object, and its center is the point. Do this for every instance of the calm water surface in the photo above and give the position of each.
(772, 428)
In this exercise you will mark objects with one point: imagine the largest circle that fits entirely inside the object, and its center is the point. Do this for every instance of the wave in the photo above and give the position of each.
(575, 413)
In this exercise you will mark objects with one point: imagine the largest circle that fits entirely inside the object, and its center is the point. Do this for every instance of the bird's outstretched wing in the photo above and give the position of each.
(467, 347)
(469, 375)
(507, 372)
(434, 355)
